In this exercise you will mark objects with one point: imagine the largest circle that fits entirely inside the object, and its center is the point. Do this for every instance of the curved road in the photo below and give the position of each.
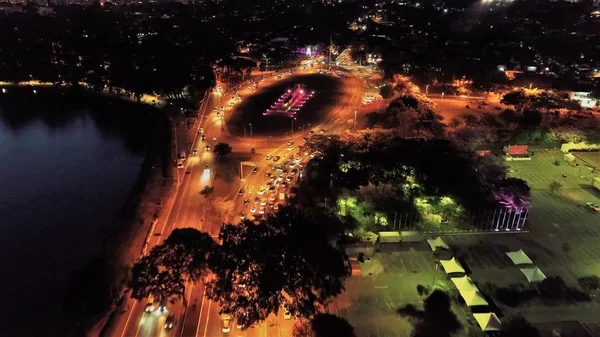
(196, 316)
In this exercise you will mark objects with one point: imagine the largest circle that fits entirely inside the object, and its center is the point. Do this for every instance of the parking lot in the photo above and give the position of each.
(389, 282)
(563, 239)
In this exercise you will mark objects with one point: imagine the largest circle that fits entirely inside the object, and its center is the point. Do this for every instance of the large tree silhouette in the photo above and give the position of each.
(183, 256)
(285, 258)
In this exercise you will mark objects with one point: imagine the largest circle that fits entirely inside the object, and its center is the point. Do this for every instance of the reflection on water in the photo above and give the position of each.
(65, 169)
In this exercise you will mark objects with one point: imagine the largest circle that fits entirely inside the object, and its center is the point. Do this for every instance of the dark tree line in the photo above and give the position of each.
(285, 258)
(107, 49)
(468, 40)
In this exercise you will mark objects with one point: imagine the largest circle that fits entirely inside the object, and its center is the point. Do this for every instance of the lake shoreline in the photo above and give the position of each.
(126, 233)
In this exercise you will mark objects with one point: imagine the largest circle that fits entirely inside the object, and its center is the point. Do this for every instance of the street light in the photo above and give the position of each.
(293, 119)
(302, 127)
(250, 129)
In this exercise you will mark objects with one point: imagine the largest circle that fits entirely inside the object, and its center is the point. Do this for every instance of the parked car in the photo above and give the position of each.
(593, 207)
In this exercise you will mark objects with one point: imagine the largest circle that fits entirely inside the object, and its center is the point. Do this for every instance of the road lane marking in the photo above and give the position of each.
(207, 318)
(128, 317)
(201, 309)
(186, 310)
(139, 326)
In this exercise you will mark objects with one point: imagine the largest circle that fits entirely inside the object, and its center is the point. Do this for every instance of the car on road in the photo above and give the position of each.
(243, 215)
(261, 191)
(255, 170)
(195, 151)
(322, 131)
(272, 197)
(284, 184)
(305, 139)
(276, 158)
(150, 304)
(203, 137)
(280, 178)
(273, 189)
(290, 143)
(179, 163)
(290, 147)
(267, 174)
(261, 211)
(170, 321)
(207, 147)
(246, 202)
(253, 209)
(226, 322)
(288, 179)
(206, 169)
(311, 132)
(263, 202)
(201, 130)
(268, 157)
(593, 207)
(256, 200)
(241, 191)
(286, 313)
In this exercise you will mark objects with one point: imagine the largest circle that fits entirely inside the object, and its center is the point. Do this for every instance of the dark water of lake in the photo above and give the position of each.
(65, 172)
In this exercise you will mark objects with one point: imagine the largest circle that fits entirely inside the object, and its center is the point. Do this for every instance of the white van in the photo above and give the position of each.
(182, 155)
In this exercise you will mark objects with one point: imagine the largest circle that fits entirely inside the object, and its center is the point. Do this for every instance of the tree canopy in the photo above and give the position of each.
(222, 149)
(411, 115)
(284, 258)
(163, 272)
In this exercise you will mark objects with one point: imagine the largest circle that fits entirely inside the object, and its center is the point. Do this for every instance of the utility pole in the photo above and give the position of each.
(330, 46)
(250, 130)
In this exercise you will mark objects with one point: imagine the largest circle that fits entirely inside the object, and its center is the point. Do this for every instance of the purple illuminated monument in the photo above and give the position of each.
(290, 102)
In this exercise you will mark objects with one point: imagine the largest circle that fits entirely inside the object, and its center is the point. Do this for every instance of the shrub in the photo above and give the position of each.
(589, 283)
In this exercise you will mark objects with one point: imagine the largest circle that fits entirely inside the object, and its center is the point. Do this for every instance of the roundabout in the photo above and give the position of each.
(292, 104)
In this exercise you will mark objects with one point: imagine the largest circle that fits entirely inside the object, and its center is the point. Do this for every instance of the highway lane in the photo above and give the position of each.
(134, 322)
(201, 316)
